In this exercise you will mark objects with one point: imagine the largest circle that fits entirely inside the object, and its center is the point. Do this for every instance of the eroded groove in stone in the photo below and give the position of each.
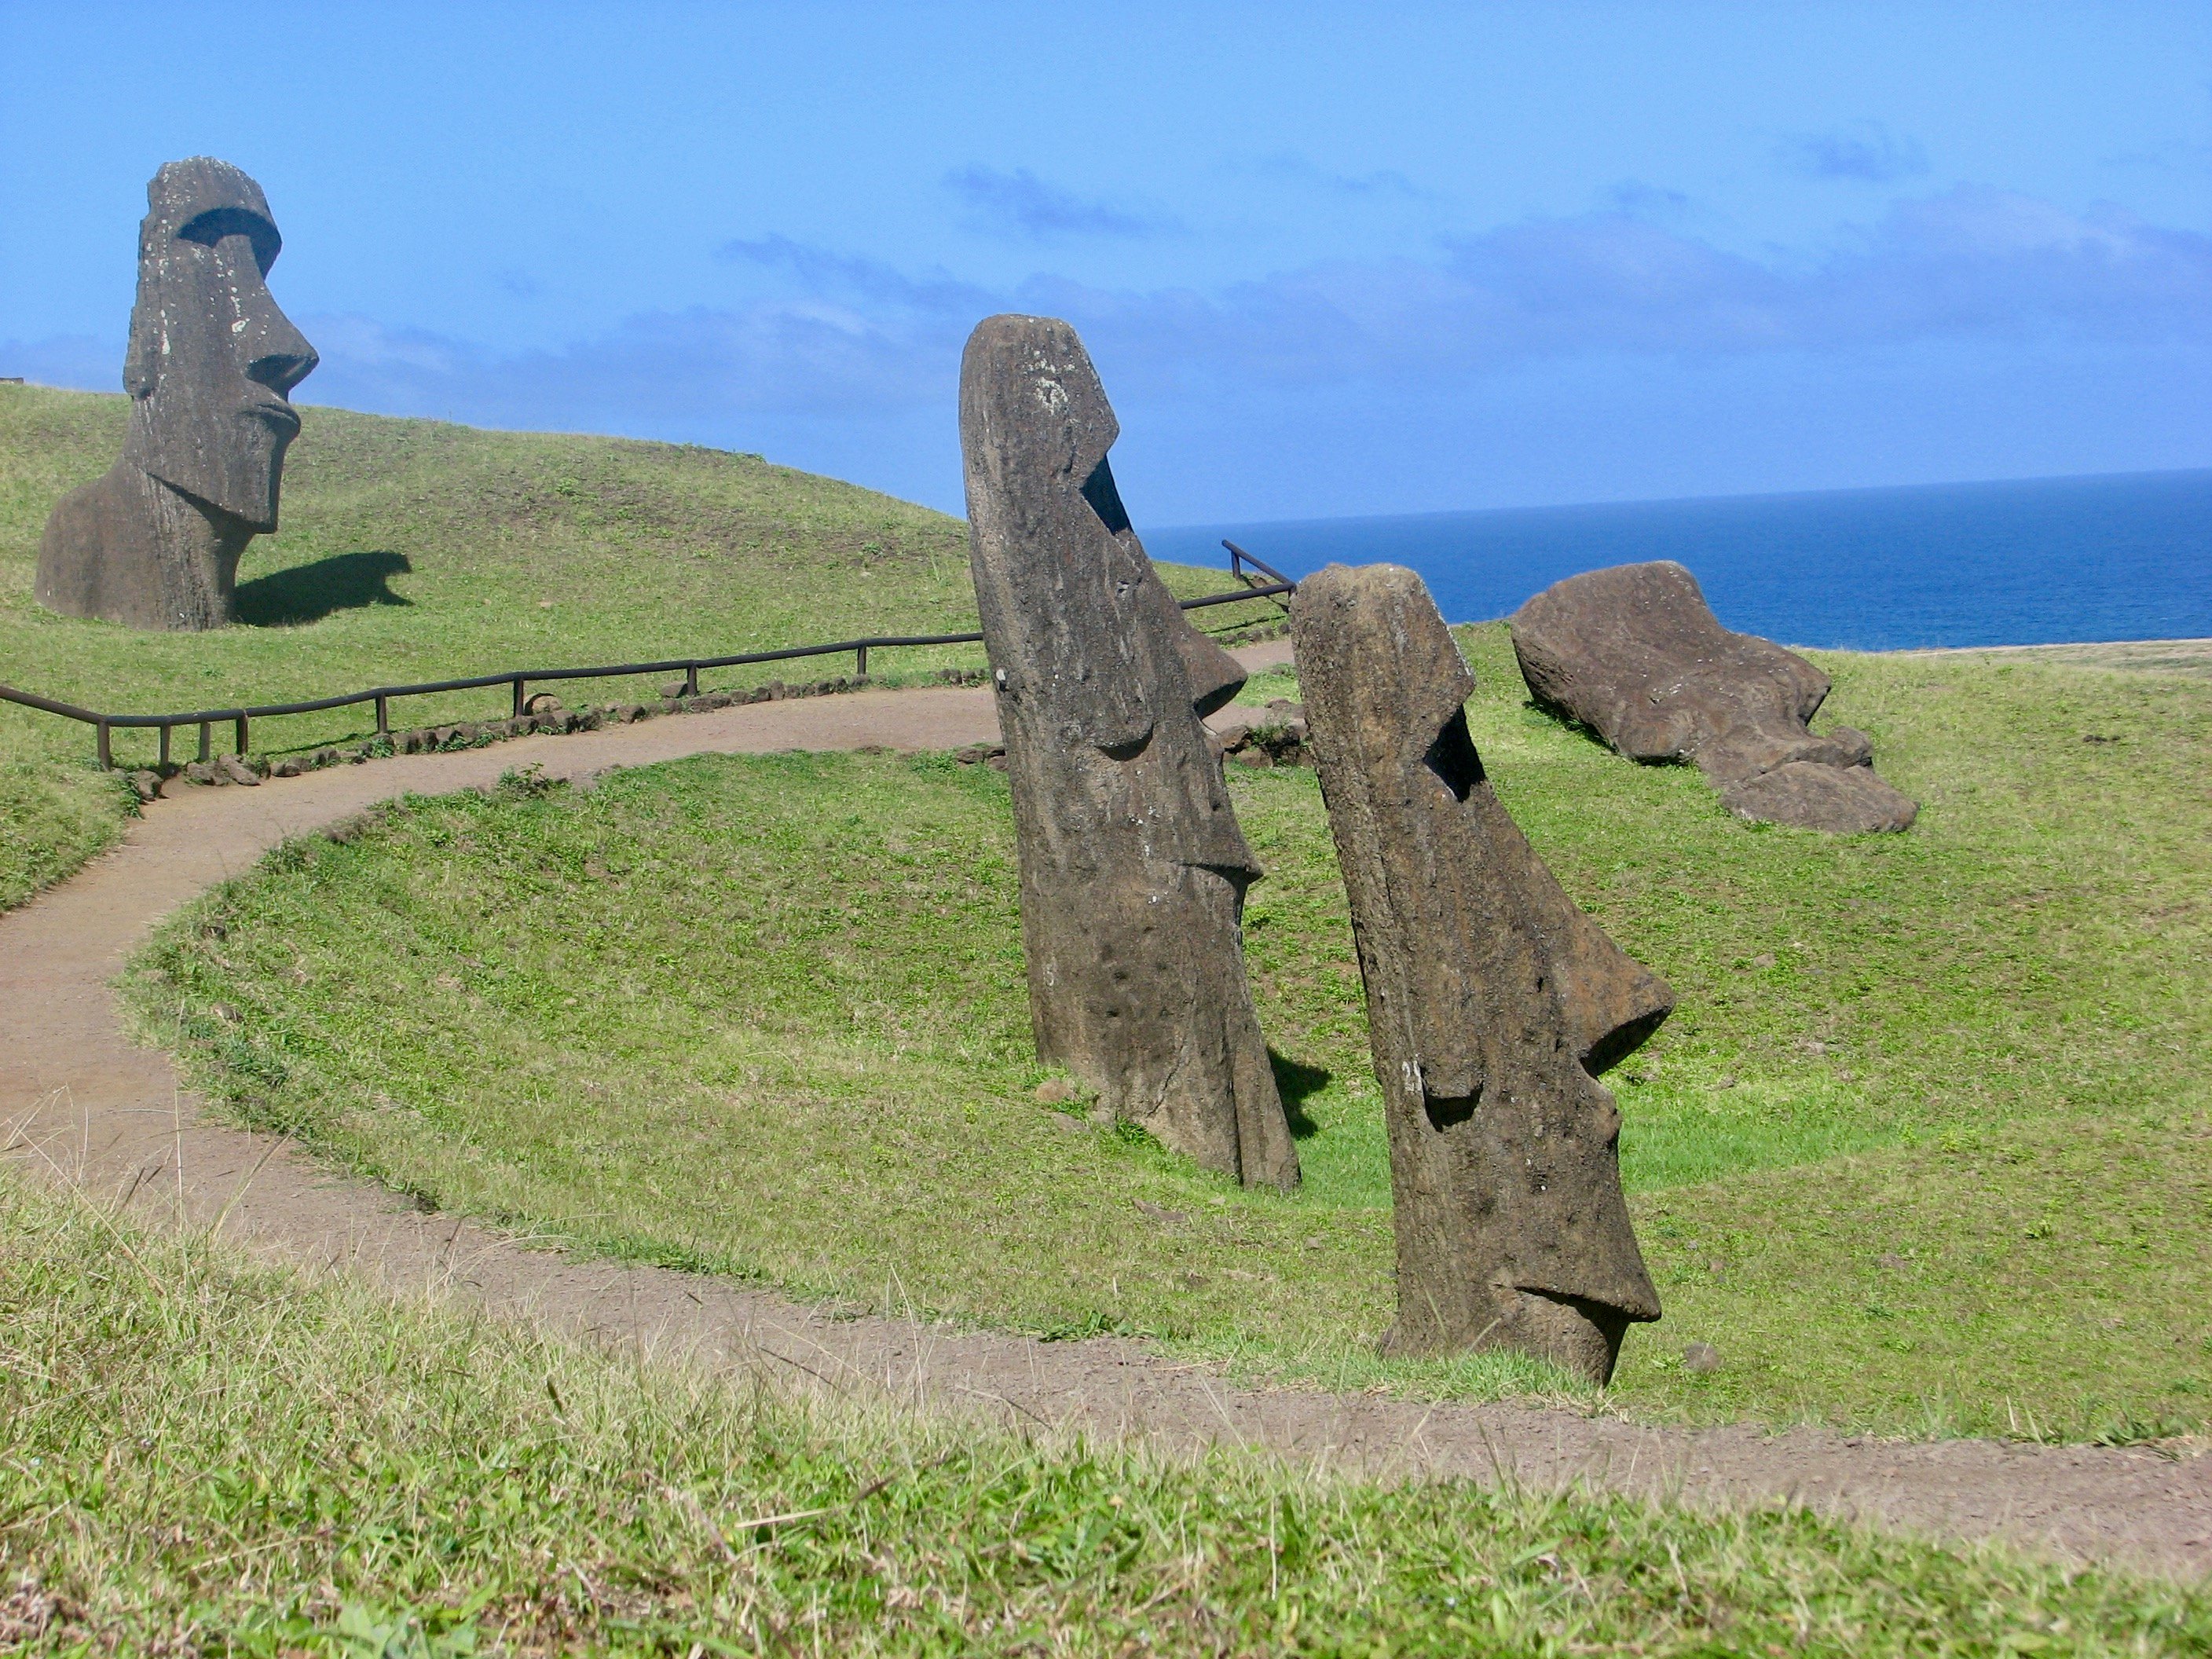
(155, 543)
(1493, 1001)
(1133, 868)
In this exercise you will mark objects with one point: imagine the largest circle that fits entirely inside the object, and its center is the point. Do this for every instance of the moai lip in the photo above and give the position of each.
(1634, 652)
(155, 543)
(1493, 1001)
(1133, 868)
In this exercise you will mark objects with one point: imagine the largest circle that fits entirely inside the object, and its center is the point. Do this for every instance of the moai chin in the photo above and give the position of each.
(155, 541)
(1133, 866)
(1493, 1001)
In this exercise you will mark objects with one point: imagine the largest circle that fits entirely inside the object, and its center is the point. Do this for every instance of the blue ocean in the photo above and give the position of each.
(2046, 561)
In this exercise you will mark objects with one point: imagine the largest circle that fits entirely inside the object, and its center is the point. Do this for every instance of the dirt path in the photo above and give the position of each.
(89, 1106)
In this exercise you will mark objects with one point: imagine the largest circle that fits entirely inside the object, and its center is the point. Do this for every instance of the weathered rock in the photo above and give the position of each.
(1133, 868)
(1810, 795)
(156, 543)
(1492, 1002)
(1635, 654)
(237, 770)
(146, 784)
(203, 772)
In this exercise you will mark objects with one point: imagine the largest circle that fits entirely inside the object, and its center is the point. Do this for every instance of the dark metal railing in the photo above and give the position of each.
(242, 719)
(1238, 558)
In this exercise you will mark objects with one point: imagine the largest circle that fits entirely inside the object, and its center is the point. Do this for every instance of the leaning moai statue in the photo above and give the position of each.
(1133, 868)
(1493, 1001)
(210, 366)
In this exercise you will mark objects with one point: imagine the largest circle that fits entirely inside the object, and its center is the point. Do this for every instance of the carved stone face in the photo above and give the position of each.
(212, 360)
(1133, 869)
(1493, 1001)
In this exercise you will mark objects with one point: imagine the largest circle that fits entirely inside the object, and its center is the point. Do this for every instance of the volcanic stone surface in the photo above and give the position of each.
(1133, 868)
(155, 543)
(1635, 654)
(1493, 1001)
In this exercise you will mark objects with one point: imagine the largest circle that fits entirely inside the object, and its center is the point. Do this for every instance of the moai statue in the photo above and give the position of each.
(156, 543)
(1634, 652)
(1493, 1001)
(1133, 868)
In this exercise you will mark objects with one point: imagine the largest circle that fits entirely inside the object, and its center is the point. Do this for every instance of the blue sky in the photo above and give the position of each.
(1329, 260)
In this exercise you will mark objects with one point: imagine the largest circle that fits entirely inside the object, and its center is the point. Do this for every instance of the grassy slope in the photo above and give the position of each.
(197, 1455)
(418, 550)
(1924, 1146)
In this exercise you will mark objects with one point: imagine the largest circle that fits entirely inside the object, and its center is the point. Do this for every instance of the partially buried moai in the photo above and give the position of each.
(155, 541)
(1493, 1001)
(1133, 866)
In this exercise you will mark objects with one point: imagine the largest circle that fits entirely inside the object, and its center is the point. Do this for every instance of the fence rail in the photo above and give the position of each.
(242, 719)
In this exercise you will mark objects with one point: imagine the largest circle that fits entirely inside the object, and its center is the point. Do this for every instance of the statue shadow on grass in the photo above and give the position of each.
(309, 592)
(1295, 1081)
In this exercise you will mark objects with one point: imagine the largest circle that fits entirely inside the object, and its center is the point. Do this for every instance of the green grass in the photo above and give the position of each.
(416, 550)
(1923, 1148)
(200, 1455)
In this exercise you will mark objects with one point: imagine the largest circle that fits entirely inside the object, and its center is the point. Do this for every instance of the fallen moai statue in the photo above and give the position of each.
(155, 543)
(1133, 866)
(1636, 654)
(1492, 1002)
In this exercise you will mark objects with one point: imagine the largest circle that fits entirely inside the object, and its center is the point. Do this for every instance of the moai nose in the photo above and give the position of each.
(280, 356)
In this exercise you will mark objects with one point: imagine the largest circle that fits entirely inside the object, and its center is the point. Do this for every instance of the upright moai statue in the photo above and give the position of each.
(1493, 1001)
(155, 541)
(1133, 868)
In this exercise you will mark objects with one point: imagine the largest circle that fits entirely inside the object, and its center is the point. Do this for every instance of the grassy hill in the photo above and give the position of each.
(1927, 1146)
(419, 550)
(207, 1456)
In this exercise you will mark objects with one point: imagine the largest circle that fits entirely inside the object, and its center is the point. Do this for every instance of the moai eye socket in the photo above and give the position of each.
(1452, 757)
(1105, 499)
(209, 228)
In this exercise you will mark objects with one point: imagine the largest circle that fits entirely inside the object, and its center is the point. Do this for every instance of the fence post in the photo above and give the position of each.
(861, 668)
(518, 698)
(241, 734)
(207, 741)
(384, 717)
(164, 762)
(691, 679)
(106, 759)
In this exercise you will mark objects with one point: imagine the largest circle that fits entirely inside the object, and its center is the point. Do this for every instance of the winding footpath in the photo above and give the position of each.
(83, 1105)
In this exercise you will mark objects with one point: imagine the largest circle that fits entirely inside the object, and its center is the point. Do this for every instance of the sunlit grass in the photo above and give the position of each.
(197, 1455)
(764, 1017)
(416, 550)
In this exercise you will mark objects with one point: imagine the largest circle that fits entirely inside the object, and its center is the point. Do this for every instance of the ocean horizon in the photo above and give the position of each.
(2026, 562)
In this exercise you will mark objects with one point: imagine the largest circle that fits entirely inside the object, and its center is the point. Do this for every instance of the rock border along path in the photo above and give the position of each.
(86, 1105)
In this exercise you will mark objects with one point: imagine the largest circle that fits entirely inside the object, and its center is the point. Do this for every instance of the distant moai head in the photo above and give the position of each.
(212, 359)
(1493, 1001)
